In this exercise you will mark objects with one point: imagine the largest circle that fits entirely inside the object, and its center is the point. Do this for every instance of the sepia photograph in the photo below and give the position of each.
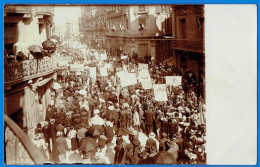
(104, 84)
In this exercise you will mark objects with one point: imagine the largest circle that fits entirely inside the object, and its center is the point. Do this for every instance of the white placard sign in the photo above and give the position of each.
(103, 72)
(143, 75)
(96, 55)
(103, 56)
(128, 79)
(145, 79)
(147, 84)
(132, 78)
(142, 66)
(77, 67)
(160, 93)
(93, 73)
(63, 63)
(109, 66)
(173, 80)
(120, 74)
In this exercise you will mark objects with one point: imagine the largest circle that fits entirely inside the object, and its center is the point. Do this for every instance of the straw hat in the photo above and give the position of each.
(97, 155)
(96, 111)
(59, 133)
(151, 135)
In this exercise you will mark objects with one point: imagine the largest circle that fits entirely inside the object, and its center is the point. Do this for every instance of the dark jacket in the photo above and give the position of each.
(149, 117)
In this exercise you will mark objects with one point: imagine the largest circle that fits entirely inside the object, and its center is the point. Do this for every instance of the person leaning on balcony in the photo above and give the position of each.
(21, 56)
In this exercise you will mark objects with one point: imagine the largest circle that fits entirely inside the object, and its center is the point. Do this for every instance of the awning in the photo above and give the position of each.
(43, 82)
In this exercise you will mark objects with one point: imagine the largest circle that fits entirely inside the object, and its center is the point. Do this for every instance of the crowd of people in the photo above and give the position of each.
(97, 121)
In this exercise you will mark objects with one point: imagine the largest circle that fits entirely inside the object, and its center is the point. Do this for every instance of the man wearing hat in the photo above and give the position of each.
(109, 132)
(150, 142)
(128, 155)
(119, 150)
(62, 146)
(136, 150)
(97, 120)
(173, 127)
(99, 159)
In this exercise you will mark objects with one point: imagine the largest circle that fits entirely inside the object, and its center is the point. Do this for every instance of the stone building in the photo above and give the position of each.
(128, 28)
(27, 83)
(188, 33)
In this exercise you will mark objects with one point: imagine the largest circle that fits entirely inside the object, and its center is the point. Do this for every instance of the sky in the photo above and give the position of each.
(61, 13)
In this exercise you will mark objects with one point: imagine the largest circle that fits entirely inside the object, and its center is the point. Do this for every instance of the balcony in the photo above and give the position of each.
(19, 150)
(45, 10)
(188, 45)
(28, 69)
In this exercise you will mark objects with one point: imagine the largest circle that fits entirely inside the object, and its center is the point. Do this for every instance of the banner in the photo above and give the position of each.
(160, 93)
(142, 66)
(103, 71)
(93, 72)
(173, 80)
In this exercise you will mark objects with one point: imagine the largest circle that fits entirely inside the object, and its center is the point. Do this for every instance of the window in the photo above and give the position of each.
(126, 23)
(41, 26)
(200, 27)
(142, 20)
(141, 8)
(183, 28)
(9, 33)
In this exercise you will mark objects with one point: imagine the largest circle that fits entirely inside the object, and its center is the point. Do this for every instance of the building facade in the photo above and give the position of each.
(27, 83)
(124, 29)
(188, 34)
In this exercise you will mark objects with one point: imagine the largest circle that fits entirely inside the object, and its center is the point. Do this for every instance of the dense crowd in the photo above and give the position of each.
(96, 121)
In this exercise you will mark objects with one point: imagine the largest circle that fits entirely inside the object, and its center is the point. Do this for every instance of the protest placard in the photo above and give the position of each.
(77, 67)
(103, 71)
(120, 74)
(96, 55)
(63, 63)
(109, 66)
(128, 79)
(131, 67)
(93, 72)
(173, 80)
(145, 79)
(143, 75)
(160, 93)
(103, 56)
(142, 66)
(147, 84)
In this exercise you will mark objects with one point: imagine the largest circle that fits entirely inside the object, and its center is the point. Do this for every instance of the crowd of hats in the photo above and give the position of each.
(108, 115)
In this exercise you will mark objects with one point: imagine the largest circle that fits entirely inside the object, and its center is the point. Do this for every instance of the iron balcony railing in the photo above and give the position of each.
(28, 68)
(19, 150)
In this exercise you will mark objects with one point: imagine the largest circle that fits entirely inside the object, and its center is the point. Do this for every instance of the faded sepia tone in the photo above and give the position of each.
(119, 84)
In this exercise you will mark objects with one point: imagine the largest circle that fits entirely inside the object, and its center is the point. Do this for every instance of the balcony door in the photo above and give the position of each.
(142, 50)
